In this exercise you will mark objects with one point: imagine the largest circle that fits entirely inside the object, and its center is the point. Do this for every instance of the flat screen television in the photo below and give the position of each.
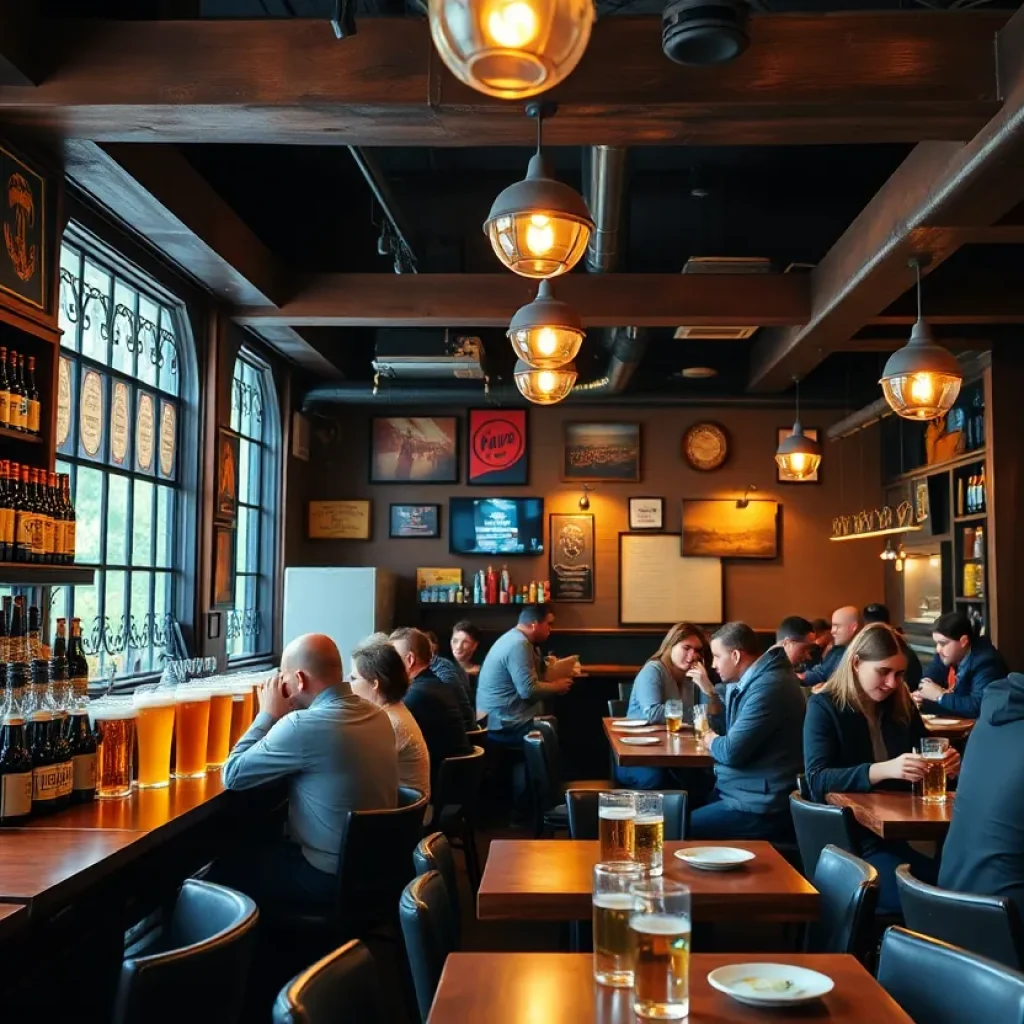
(496, 526)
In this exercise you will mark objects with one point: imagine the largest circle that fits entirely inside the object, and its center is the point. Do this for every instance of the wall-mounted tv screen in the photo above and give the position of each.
(496, 526)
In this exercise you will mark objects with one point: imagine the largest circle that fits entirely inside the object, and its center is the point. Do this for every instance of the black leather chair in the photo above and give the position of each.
(206, 948)
(617, 708)
(819, 825)
(936, 983)
(456, 799)
(625, 691)
(342, 988)
(429, 934)
(848, 890)
(987, 925)
(582, 804)
(543, 772)
(434, 854)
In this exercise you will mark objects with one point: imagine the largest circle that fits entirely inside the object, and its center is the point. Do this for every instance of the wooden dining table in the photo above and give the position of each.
(528, 988)
(672, 750)
(552, 880)
(949, 726)
(898, 815)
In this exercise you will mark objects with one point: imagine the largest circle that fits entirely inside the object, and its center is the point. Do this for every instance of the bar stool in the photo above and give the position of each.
(342, 988)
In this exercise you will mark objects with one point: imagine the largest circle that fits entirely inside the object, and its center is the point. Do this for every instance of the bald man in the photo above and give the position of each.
(846, 624)
(337, 752)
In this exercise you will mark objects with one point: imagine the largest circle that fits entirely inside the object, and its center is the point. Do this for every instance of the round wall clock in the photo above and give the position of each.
(705, 446)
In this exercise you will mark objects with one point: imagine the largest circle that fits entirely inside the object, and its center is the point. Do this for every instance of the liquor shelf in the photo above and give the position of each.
(19, 435)
(31, 575)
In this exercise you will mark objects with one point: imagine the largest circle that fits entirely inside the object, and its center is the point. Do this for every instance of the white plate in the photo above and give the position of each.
(945, 721)
(715, 858)
(628, 723)
(753, 984)
(640, 741)
(928, 718)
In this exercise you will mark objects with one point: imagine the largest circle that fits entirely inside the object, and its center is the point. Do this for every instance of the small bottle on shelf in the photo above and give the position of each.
(15, 762)
(978, 550)
(6, 513)
(960, 496)
(5, 390)
(14, 391)
(969, 588)
(32, 417)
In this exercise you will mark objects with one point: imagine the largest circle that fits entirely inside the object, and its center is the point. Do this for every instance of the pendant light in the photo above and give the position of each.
(798, 456)
(547, 333)
(511, 49)
(921, 381)
(539, 227)
(544, 387)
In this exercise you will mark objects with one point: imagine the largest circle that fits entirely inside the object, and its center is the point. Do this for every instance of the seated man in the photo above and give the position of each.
(845, 624)
(964, 664)
(510, 689)
(984, 850)
(880, 613)
(465, 641)
(822, 640)
(453, 676)
(757, 743)
(795, 636)
(338, 753)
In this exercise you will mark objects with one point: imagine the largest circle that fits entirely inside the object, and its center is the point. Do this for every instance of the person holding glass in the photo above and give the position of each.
(863, 732)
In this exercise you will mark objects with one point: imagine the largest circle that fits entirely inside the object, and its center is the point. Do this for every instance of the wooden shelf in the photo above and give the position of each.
(17, 435)
(969, 600)
(478, 607)
(973, 517)
(977, 455)
(27, 574)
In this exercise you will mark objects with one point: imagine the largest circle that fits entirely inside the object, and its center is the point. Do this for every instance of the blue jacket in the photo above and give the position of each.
(983, 665)
(822, 672)
(760, 755)
(454, 676)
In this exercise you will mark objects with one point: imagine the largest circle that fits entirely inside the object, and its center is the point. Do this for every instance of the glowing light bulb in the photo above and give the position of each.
(547, 341)
(797, 463)
(922, 388)
(512, 25)
(546, 382)
(540, 235)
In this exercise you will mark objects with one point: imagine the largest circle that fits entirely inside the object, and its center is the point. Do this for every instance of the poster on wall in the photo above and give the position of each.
(23, 257)
(414, 449)
(571, 558)
(339, 520)
(414, 521)
(601, 451)
(227, 474)
(497, 447)
(730, 528)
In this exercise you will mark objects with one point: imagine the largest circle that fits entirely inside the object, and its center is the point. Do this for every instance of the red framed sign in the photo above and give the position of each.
(498, 452)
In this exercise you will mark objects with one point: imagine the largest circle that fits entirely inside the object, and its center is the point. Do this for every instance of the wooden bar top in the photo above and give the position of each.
(898, 815)
(526, 988)
(552, 880)
(680, 750)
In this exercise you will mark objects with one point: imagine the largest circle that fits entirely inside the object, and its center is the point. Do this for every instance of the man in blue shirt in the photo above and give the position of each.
(845, 626)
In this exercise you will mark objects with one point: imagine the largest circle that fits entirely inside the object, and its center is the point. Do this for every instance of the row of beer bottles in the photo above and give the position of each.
(21, 641)
(20, 408)
(37, 517)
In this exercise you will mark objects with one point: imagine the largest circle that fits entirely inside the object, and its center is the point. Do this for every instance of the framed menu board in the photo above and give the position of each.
(339, 520)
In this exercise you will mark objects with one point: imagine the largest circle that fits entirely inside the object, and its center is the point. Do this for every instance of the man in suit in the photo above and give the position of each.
(756, 741)
(845, 626)
(963, 666)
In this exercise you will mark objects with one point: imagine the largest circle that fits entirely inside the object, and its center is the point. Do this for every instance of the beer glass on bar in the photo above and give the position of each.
(154, 706)
(616, 820)
(660, 929)
(113, 720)
(933, 785)
(192, 729)
(674, 716)
(613, 905)
(700, 722)
(218, 743)
(649, 831)
(241, 711)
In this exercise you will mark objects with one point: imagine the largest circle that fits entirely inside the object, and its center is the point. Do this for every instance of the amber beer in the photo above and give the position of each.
(218, 743)
(616, 825)
(660, 929)
(613, 906)
(933, 785)
(154, 706)
(192, 729)
(113, 719)
(649, 832)
(674, 716)
(241, 712)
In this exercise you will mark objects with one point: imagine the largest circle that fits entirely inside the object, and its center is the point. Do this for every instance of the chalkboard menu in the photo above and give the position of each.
(571, 555)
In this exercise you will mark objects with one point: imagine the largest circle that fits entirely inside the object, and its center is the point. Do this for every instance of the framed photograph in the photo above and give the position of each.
(730, 528)
(23, 255)
(414, 449)
(571, 558)
(339, 520)
(415, 521)
(783, 476)
(227, 474)
(223, 566)
(601, 451)
(647, 513)
(497, 447)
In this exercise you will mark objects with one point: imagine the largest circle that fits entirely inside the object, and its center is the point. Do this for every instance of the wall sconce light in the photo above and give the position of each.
(584, 502)
(745, 500)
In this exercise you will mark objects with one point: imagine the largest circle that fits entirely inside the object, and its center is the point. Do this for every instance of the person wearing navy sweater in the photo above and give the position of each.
(963, 666)
(861, 733)
(845, 624)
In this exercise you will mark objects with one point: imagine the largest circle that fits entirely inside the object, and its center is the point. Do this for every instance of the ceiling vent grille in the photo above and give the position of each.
(722, 265)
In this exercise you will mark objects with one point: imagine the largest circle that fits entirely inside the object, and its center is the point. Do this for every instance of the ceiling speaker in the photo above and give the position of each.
(704, 32)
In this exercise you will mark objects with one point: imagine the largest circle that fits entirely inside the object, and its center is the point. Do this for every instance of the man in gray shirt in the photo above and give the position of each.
(338, 753)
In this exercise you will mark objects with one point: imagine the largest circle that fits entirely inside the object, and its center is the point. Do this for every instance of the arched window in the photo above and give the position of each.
(255, 418)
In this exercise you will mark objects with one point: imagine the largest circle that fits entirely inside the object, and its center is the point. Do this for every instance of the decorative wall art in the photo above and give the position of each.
(601, 451)
(408, 521)
(658, 586)
(571, 558)
(498, 447)
(339, 520)
(223, 566)
(23, 206)
(705, 446)
(227, 473)
(784, 476)
(646, 513)
(416, 449)
(730, 528)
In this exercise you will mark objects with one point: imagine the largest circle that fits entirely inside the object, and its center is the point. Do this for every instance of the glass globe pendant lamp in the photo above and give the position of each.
(544, 387)
(511, 49)
(798, 456)
(546, 333)
(539, 227)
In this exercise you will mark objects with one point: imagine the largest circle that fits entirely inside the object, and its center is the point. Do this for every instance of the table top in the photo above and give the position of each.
(523, 988)
(957, 730)
(898, 815)
(679, 750)
(552, 880)
(589, 669)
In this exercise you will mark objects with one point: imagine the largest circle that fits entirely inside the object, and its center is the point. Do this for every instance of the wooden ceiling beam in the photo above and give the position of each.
(830, 78)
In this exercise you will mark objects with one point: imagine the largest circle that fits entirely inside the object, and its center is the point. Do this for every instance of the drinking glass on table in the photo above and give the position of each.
(113, 721)
(241, 710)
(154, 706)
(649, 831)
(933, 785)
(192, 728)
(613, 906)
(218, 743)
(616, 820)
(674, 716)
(700, 722)
(660, 928)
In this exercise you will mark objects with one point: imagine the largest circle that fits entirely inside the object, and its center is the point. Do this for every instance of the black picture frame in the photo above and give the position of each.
(637, 526)
(419, 431)
(781, 434)
(402, 520)
(575, 436)
(228, 470)
(571, 557)
(224, 554)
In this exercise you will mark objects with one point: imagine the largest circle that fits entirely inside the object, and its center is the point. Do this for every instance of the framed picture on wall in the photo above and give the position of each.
(784, 476)
(601, 451)
(497, 448)
(414, 521)
(647, 513)
(227, 474)
(571, 558)
(719, 528)
(223, 566)
(414, 449)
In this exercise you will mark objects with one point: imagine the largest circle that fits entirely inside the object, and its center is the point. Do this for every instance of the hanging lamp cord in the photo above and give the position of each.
(917, 269)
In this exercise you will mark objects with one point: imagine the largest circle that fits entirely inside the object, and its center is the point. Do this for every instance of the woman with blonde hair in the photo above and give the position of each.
(863, 732)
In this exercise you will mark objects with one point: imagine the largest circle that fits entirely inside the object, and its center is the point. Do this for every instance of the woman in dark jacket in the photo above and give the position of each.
(862, 732)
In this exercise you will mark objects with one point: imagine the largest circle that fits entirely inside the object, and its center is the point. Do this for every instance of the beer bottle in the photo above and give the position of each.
(45, 518)
(32, 399)
(6, 514)
(83, 753)
(45, 773)
(60, 642)
(24, 393)
(39, 520)
(22, 518)
(18, 646)
(8, 610)
(69, 520)
(78, 666)
(13, 394)
(34, 630)
(5, 642)
(58, 521)
(55, 704)
(15, 765)
(5, 391)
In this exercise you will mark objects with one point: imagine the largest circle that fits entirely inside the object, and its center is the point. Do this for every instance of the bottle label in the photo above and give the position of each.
(7, 525)
(14, 411)
(36, 533)
(5, 408)
(46, 534)
(80, 685)
(46, 783)
(23, 530)
(66, 778)
(84, 772)
(69, 540)
(15, 795)
(33, 417)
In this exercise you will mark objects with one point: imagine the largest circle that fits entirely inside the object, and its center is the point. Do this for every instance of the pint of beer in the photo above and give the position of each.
(218, 743)
(613, 905)
(113, 720)
(155, 708)
(192, 729)
(649, 832)
(660, 930)
(616, 820)
(933, 785)
(241, 712)
(674, 715)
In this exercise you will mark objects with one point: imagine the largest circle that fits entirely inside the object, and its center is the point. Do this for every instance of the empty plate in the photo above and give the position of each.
(628, 723)
(945, 722)
(770, 984)
(928, 718)
(714, 858)
(640, 741)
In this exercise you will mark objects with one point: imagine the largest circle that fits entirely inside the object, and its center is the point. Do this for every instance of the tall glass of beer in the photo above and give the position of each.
(616, 819)
(155, 708)
(674, 716)
(192, 729)
(218, 743)
(613, 905)
(649, 831)
(660, 928)
(113, 720)
(700, 722)
(933, 785)
(241, 711)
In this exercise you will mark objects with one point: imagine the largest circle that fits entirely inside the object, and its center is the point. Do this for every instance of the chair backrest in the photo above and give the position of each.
(617, 708)
(942, 984)
(987, 925)
(817, 826)
(802, 786)
(582, 807)
(342, 988)
(429, 934)
(459, 781)
(548, 727)
(477, 737)
(538, 776)
(625, 691)
(848, 891)
(434, 853)
(207, 947)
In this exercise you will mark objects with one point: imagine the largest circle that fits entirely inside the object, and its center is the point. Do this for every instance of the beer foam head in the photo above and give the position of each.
(649, 819)
(614, 901)
(190, 692)
(110, 711)
(616, 813)
(660, 924)
(159, 698)
(240, 687)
